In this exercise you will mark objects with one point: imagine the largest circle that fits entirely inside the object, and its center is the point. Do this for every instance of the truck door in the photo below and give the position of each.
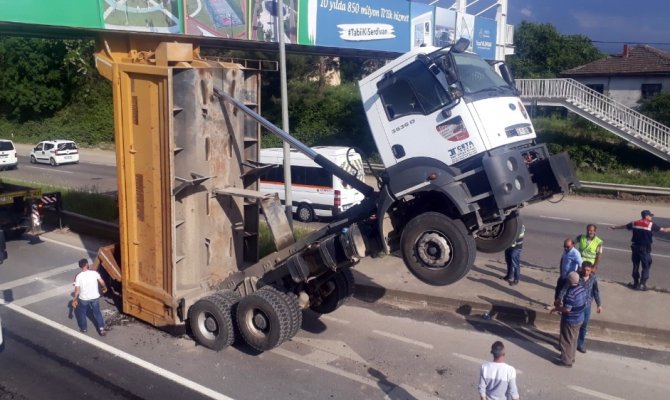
(422, 119)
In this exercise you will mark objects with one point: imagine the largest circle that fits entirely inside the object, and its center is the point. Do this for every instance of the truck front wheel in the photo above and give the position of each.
(499, 237)
(437, 249)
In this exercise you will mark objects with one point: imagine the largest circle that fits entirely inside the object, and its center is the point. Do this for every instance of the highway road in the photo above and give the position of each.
(362, 351)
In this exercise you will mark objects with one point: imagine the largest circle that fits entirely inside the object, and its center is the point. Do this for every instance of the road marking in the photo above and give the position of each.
(336, 347)
(47, 294)
(557, 218)
(628, 251)
(378, 384)
(329, 318)
(36, 277)
(404, 339)
(593, 393)
(478, 360)
(120, 354)
(90, 253)
(53, 170)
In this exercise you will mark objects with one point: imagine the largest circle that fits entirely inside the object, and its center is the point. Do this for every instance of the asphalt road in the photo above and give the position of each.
(85, 176)
(362, 350)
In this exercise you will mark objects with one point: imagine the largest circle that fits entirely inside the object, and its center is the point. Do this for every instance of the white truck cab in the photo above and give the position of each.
(455, 140)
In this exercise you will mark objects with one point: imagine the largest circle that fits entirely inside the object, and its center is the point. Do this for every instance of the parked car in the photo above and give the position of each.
(8, 158)
(55, 152)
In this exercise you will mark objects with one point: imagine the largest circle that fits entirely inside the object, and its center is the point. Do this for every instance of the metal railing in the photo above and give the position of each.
(600, 106)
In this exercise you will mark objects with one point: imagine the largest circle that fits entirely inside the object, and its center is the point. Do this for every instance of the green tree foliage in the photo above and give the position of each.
(657, 107)
(32, 80)
(542, 52)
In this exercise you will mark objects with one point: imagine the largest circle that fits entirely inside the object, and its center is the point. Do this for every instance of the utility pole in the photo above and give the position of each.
(284, 113)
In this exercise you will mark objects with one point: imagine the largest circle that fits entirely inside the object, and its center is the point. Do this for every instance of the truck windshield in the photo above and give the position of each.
(477, 76)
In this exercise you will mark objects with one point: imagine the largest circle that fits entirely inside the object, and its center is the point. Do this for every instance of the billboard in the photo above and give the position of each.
(389, 25)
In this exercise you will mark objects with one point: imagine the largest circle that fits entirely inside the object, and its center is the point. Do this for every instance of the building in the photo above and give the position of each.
(639, 72)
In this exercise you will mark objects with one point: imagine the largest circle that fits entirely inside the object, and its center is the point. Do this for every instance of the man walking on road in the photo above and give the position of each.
(590, 246)
(572, 316)
(513, 259)
(643, 231)
(86, 296)
(571, 260)
(497, 379)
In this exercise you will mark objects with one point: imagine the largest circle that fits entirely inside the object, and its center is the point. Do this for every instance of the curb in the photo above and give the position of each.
(539, 319)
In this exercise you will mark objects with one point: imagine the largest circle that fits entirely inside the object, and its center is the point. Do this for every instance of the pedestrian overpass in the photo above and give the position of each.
(603, 111)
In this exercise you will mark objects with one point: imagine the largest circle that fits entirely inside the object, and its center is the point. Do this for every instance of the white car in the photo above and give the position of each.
(55, 152)
(8, 158)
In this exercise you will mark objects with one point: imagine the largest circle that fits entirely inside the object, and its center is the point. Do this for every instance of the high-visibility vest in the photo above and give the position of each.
(589, 251)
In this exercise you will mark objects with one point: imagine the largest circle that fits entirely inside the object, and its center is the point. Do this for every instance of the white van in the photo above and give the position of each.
(315, 192)
(8, 158)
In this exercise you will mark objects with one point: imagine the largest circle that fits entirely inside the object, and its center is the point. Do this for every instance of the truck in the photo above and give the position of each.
(21, 209)
(460, 161)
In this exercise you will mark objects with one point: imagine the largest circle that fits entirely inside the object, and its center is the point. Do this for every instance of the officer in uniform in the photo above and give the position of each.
(643, 230)
(590, 246)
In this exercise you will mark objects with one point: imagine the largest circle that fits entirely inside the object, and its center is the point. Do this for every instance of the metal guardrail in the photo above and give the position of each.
(615, 187)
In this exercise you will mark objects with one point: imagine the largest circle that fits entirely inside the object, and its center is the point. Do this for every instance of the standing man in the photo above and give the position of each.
(513, 259)
(572, 316)
(571, 260)
(497, 379)
(590, 246)
(86, 296)
(643, 230)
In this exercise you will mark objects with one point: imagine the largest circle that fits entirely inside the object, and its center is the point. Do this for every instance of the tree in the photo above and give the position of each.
(657, 107)
(542, 52)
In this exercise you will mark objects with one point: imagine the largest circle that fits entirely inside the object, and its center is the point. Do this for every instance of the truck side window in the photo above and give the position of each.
(414, 90)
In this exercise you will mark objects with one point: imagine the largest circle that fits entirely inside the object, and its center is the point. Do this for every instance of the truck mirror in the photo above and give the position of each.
(506, 74)
(461, 45)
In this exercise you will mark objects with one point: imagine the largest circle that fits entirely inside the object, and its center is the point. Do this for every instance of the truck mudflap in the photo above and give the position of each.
(553, 175)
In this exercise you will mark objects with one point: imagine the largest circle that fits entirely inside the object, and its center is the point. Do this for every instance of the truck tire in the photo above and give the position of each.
(437, 249)
(342, 290)
(264, 320)
(305, 213)
(291, 301)
(499, 237)
(211, 322)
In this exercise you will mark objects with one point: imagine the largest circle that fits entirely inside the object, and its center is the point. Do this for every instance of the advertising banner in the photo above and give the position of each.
(421, 25)
(445, 27)
(362, 24)
(216, 18)
(161, 16)
(484, 41)
(81, 13)
(263, 20)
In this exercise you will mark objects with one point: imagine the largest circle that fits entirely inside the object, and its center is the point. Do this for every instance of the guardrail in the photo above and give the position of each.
(615, 187)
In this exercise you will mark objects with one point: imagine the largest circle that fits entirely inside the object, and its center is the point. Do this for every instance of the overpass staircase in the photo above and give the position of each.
(609, 114)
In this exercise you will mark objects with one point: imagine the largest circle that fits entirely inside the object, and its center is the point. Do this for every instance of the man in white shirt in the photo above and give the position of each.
(86, 297)
(497, 380)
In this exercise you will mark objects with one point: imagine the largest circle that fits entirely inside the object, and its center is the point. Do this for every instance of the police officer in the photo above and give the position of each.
(590, 246)
(643, 230)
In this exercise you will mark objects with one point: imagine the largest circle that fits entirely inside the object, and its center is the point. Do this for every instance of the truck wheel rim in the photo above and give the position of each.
(260, 322)
(208, 326)
(434, 250)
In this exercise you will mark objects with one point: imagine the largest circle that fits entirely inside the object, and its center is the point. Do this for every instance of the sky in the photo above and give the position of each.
(622, 21)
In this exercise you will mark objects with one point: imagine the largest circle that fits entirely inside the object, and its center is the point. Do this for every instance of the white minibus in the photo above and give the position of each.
(315, 193)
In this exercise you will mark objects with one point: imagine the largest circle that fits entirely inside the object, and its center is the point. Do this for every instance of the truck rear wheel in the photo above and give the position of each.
(291, 301)
(211, 322)
(436, 249)
(499, 237)
(341, 287)
(264, 320)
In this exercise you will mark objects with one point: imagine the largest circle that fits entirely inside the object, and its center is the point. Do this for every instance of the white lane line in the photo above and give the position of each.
(477, 360)
(604, 223)
(404, 339)
(557, 218)
(41, 275)
(58, 242)
(51, 170)
(205, 391)
(47, 294)
(628, 251)
(593, 393)
(333, 319)
(377, 384)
